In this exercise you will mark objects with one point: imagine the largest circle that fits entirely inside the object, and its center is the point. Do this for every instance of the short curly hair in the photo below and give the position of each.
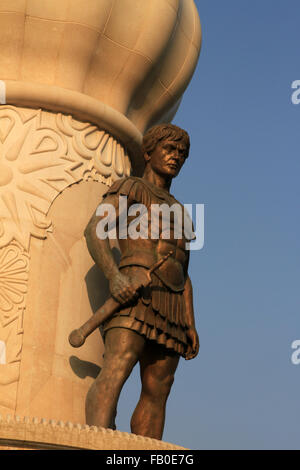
(163, 132)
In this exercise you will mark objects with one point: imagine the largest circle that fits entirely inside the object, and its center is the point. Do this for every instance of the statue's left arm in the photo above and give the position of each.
(192, 334)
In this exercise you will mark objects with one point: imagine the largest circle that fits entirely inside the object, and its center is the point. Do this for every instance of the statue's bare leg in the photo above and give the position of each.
(158, 366)
(123, 348)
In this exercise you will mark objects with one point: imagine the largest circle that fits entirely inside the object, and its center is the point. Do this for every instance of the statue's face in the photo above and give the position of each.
(167, 158)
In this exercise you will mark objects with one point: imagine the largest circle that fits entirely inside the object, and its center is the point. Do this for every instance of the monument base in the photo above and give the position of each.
(39, 434)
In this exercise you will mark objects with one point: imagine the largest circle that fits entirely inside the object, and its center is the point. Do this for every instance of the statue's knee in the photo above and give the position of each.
(156, 387)
(117, 366)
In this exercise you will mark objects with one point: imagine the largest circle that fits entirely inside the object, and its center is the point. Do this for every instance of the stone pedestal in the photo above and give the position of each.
(35, 434)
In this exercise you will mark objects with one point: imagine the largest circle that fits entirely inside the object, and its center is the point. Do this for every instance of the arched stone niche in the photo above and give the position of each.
(65, 288)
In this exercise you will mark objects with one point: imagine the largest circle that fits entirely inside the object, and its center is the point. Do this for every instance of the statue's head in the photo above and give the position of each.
(165, 149)
(161, 132)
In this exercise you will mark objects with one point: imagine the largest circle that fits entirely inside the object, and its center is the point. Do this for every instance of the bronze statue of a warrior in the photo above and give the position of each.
(151, 323)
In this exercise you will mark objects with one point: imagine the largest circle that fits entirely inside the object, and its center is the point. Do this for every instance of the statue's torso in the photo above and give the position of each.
(161, 234)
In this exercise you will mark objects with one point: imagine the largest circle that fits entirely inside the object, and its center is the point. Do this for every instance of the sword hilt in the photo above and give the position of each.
(77, 337)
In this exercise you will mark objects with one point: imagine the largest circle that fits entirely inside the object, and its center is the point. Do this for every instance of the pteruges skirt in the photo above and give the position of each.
(158, 314)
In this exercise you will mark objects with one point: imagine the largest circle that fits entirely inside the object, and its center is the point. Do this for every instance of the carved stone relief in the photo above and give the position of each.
(42, 153)
(14, 268)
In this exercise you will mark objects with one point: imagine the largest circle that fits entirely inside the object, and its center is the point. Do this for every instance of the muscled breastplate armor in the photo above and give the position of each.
(162, 233)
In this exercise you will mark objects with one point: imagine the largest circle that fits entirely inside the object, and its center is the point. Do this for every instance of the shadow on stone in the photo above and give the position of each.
(84, 369)
(97, 285)
(97, 288)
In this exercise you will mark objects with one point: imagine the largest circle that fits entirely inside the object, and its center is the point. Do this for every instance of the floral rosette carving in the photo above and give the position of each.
(14, 269)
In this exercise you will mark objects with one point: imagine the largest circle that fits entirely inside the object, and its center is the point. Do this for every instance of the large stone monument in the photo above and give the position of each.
(80, 83)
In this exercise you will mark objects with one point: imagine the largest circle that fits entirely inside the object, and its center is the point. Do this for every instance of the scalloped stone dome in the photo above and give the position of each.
(134, 56)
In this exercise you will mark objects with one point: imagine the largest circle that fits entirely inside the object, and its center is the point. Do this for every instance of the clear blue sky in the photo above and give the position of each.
(242, 391)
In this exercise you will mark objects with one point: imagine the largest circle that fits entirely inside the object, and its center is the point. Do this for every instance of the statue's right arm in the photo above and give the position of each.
(99, 249)
(120, 285)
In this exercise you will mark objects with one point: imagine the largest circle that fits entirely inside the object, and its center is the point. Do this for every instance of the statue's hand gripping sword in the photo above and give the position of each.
(111, 306)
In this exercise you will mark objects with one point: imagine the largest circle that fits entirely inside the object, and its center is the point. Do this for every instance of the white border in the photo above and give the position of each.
(2, 92)
(2, 352)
